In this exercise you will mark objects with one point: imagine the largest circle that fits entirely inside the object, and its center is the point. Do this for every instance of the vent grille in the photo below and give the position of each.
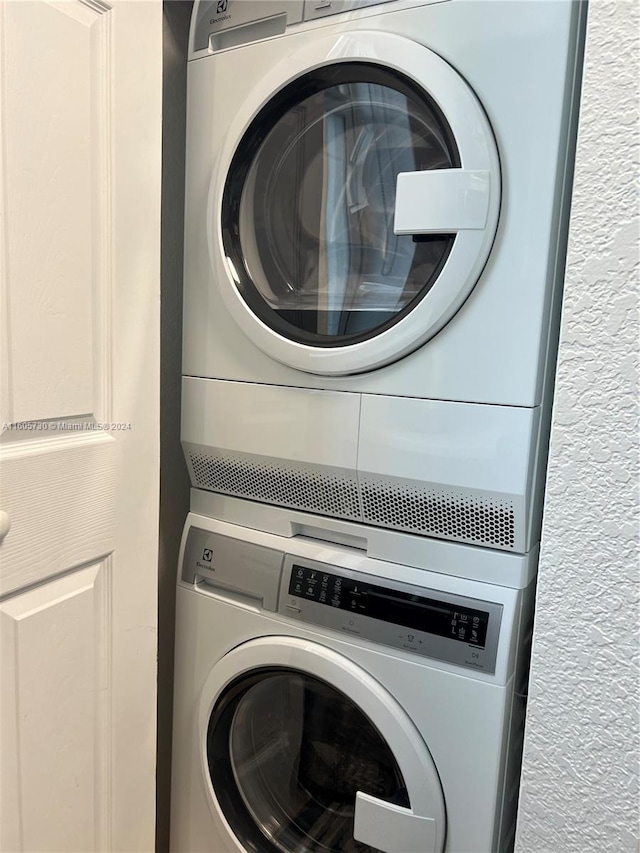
(394, 504)
(431, 512)
(298, 486)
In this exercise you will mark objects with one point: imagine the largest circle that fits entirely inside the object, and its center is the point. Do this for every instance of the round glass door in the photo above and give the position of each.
(287, 753)
(309, 201)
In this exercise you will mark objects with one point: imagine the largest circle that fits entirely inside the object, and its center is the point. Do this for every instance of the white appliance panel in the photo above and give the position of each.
(457, 471)
(434, 714)
(494, 348)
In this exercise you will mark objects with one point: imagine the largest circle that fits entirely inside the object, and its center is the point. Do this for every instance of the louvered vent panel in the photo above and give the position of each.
(431, 512)
(394, 504)
(295, 485)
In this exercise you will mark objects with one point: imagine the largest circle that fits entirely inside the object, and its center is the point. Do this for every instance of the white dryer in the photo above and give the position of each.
(327, 701)
(376, 212)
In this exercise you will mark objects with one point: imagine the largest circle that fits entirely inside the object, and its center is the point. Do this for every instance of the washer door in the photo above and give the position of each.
(303, 750)
(356, 203)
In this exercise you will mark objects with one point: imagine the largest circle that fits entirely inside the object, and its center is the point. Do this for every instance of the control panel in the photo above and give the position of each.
(446, 627)
(439, 625)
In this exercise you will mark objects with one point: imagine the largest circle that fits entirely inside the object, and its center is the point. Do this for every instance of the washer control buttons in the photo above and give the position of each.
(423, 621)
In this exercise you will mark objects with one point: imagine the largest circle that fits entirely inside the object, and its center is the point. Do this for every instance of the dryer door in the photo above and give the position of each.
(356, 204)
(303, 750)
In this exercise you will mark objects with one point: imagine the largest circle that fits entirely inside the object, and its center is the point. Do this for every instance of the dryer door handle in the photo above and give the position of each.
(442, 201)
(391, 828)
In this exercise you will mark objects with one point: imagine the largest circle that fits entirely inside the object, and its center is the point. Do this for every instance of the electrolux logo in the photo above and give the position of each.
(221, 8)
(207, 560)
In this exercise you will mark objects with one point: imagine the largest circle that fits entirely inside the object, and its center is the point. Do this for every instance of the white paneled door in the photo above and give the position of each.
(80, 124)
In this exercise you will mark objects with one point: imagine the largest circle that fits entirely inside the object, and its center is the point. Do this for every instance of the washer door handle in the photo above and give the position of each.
(442, 201)
(391, 828)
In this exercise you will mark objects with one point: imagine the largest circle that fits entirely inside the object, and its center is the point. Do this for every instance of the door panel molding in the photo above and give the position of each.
(57, 290)
(56, 714)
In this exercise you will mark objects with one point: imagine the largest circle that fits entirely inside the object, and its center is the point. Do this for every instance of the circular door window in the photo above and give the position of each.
(287, 754)
(354, 203)
(308, 210)
(302, 749)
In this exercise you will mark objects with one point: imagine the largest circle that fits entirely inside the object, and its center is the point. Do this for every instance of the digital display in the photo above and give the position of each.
(432, 616)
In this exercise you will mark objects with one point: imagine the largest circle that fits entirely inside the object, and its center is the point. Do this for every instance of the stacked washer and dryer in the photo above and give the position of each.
(377, 202)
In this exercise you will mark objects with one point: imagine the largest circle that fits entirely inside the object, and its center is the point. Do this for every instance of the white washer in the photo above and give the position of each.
(376, 214)
(328, 701)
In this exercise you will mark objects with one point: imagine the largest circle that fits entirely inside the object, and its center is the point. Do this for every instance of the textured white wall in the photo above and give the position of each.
(580, 784)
